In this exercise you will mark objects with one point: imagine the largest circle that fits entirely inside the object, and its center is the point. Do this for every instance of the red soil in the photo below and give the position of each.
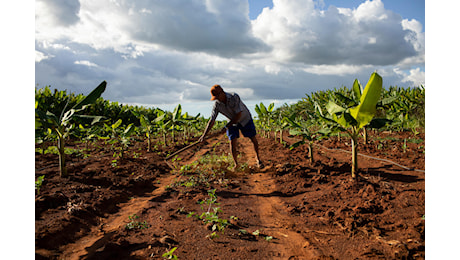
(311, 211)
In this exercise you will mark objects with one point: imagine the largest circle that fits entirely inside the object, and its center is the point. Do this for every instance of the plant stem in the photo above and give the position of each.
(365, 135)
(62, 168)
(148, 143)
(354, 156)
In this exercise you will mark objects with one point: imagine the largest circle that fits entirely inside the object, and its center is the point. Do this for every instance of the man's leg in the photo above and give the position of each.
(233, 133)
(256, 149)
(233, 148)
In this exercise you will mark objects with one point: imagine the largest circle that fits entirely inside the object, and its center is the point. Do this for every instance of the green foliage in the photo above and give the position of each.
(169, 254)
(38, 183)
(352, 115)
(211, 215)
(300, 128)
(148, 127)
(266, 117)
(134, 224)
(60, 122)
(207, 169)
(58, 116)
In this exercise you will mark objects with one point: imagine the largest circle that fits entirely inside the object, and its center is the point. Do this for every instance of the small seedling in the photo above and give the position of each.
(212, 235)
(169, 254)
(210, 216)
(268, 238)
(134, 224)
(38, 183)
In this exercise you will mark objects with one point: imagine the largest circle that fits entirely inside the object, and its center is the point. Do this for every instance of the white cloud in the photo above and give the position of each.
(340, 69)
(86, 63)
(39, 56)
(58, 12)
(299, 32)
(371, 11)
(415, 77)
(159, 52)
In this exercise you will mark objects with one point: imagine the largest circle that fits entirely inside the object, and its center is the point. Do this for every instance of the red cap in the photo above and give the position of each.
(215, 91)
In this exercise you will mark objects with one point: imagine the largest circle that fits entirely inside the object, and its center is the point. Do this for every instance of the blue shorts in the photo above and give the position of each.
(249, 130)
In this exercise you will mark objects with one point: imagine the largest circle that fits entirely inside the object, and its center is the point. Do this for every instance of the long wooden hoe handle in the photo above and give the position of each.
(189, 146)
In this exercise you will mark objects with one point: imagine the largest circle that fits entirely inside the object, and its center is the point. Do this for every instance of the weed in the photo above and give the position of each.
(134, 224)
(206, 170)
(136, 155)
(210, 216)
(114, 163)
(38, 183)
(212, 235)
(268, 238)
(169, 254)
(54, 150)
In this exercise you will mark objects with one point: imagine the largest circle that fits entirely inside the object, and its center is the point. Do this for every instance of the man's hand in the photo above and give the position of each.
(223, 130)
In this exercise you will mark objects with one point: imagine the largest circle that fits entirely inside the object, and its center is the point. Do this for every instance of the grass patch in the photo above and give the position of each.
(208, 169)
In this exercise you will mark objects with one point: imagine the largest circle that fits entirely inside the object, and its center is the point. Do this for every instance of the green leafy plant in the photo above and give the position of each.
(61, 124)
(268, 238)
(265, 115)
(301, 128)
(354, 116)
(206, 170)
(148, 126)
(169, 254)
(38, 183)
(134, 224)
(211, 215)
(121, 137)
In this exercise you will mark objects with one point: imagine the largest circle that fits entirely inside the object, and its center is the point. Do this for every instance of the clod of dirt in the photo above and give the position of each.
(167, 240)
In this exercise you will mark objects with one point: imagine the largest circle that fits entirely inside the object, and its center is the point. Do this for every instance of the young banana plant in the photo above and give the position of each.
(265, 115)
(61, 124)
(301, 128)
(355, 115)
(148, 127)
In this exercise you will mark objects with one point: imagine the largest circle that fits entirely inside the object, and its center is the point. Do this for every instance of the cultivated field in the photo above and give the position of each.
(139, 208)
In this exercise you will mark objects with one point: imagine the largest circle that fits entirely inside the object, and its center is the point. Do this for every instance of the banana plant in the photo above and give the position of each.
(176, 121)
(88, 132)
(61, 124)
(265, 115)
(190, 122)
(120, 136)
(148, 126)
(301, 128)
(356, 115)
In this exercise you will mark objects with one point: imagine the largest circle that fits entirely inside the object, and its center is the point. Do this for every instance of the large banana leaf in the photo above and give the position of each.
(91, 98)
(365, 111)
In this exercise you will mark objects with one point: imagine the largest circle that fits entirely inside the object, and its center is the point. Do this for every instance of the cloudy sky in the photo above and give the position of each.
(164, 53)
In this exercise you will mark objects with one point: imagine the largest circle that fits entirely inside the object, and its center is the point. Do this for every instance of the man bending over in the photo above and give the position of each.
(231, 106)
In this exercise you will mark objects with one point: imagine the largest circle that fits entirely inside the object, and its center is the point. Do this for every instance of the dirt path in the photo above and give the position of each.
(288, 244)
